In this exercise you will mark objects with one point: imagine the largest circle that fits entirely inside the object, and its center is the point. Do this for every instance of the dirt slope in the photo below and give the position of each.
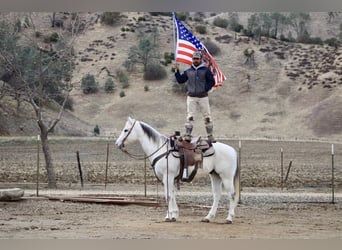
(293, 91)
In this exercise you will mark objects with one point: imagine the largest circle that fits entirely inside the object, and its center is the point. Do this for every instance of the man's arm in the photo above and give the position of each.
(210, 81)
(181, 78)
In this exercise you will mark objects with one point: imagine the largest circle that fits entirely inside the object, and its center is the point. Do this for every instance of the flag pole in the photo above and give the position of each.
(174, 36)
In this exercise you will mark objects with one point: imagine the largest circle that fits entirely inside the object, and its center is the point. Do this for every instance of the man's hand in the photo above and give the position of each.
(175, 66)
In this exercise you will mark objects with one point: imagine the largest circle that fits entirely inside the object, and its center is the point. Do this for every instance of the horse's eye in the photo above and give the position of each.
(126, 130)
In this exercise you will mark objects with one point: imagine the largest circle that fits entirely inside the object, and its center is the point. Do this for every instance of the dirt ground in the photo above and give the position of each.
(303, 210)
(260, 215)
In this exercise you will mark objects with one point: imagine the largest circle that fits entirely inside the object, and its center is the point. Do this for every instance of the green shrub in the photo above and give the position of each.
(109, 85)
(123, 79)
(154, 71)
(182, 16)
(201, 29)
(333, 42)
(110, 18)
(38, 34)
(96, 130)
(305, 38)
(198, 19)
(236, 27)
(160, 14)
(89, 85)
(141, 19)
(54, 37)
(168, 57)
(122, 93)
(212, 47)
(146, 88)
(221, 22)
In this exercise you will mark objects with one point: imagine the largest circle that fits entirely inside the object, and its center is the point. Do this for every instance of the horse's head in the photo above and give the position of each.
(127, 134)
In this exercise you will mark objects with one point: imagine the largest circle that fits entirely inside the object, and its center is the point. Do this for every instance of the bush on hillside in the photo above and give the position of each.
(123, 79)
(182, 16)
(221, 22)
(168, 58)
(212, 47)
(305, 38)
(89, 85)
(154, 71)
(109, 85)
(54, 37)
(333, 42)
(202, 29)
(110, 18)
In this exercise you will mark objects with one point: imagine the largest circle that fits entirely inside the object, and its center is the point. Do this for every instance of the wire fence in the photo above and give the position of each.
(285, 165)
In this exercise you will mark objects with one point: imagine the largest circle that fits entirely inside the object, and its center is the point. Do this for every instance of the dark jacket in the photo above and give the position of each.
(200, 80)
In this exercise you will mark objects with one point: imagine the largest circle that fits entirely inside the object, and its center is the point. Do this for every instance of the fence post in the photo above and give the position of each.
(37, 191)
(145, 176)
(332, 175)
(239, 170)
(288, 172)
(282, 168)
(106, 174)
(79, 167)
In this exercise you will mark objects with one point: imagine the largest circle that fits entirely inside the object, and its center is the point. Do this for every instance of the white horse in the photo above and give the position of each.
(221, 167)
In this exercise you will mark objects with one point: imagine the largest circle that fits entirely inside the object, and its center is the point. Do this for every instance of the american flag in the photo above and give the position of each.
(187, 44)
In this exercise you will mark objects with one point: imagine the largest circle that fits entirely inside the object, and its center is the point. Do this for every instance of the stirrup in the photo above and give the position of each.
(185, 176)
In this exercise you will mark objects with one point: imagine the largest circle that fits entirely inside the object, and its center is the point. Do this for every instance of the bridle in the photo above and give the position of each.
(139, 157)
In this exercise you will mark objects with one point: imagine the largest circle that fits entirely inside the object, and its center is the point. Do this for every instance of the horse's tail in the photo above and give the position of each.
(237, 182)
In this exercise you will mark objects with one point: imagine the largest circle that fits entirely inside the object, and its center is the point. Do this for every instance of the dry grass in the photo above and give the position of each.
(297, 110)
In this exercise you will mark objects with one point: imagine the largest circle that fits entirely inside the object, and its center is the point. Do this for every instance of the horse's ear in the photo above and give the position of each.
(131, 120)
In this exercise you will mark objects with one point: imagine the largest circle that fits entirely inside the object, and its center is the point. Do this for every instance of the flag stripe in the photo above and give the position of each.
(187, 44)
(182, 60)
(185, 53)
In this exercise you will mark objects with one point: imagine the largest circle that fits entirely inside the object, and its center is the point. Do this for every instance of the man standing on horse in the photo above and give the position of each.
(199, 81)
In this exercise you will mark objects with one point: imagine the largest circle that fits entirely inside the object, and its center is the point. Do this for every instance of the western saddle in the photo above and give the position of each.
(190, 153)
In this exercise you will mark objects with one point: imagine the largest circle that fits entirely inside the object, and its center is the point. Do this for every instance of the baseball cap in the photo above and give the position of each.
(197, 54)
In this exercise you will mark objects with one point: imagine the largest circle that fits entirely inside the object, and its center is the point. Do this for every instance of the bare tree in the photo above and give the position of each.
(332, 15)
(36, 74)
(145, 52)
(299, 22)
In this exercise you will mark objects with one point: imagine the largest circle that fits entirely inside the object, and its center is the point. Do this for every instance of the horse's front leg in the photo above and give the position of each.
(216, 184)
(170, 197)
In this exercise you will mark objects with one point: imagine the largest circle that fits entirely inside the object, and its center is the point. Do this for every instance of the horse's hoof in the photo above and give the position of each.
(229, 222)
(205, 220)
(170, 220)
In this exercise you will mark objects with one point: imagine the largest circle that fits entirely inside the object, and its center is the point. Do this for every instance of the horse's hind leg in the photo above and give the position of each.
(216, 184)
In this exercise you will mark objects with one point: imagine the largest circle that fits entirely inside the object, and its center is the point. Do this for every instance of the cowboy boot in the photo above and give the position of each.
(209, 129)
(188, 130)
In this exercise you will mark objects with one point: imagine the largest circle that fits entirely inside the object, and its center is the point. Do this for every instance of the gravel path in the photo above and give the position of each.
(263, 214)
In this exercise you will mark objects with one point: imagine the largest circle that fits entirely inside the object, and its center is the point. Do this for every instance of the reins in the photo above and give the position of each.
(143, 157)
(139, 157)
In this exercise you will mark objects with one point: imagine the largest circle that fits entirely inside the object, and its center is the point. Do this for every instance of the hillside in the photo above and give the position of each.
(294, 91)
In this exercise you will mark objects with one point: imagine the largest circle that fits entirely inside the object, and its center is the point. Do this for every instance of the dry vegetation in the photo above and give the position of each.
(293, 92)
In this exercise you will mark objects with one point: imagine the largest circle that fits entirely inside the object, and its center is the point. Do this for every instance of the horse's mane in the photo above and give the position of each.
(150, 132)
